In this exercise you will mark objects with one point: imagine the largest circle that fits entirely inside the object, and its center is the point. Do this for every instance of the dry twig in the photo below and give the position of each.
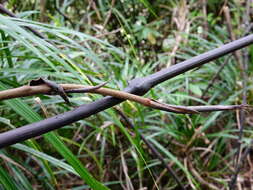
(28, 90)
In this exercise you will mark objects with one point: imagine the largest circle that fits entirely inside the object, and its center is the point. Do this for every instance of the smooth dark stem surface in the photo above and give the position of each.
(137, 86)
(152, 80)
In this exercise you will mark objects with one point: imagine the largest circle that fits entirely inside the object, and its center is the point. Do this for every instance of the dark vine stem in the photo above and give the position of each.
(243, 60)
(138, 86)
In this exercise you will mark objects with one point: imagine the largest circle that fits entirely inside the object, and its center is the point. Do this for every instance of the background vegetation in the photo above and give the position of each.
(96, 41)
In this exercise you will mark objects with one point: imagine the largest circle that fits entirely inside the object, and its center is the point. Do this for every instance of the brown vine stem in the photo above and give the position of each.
(28, 90)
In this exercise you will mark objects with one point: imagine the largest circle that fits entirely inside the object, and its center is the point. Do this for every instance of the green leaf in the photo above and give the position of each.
(6, 180)
(52, 160)
(195, 89)
(77, 165)
(27, 113)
